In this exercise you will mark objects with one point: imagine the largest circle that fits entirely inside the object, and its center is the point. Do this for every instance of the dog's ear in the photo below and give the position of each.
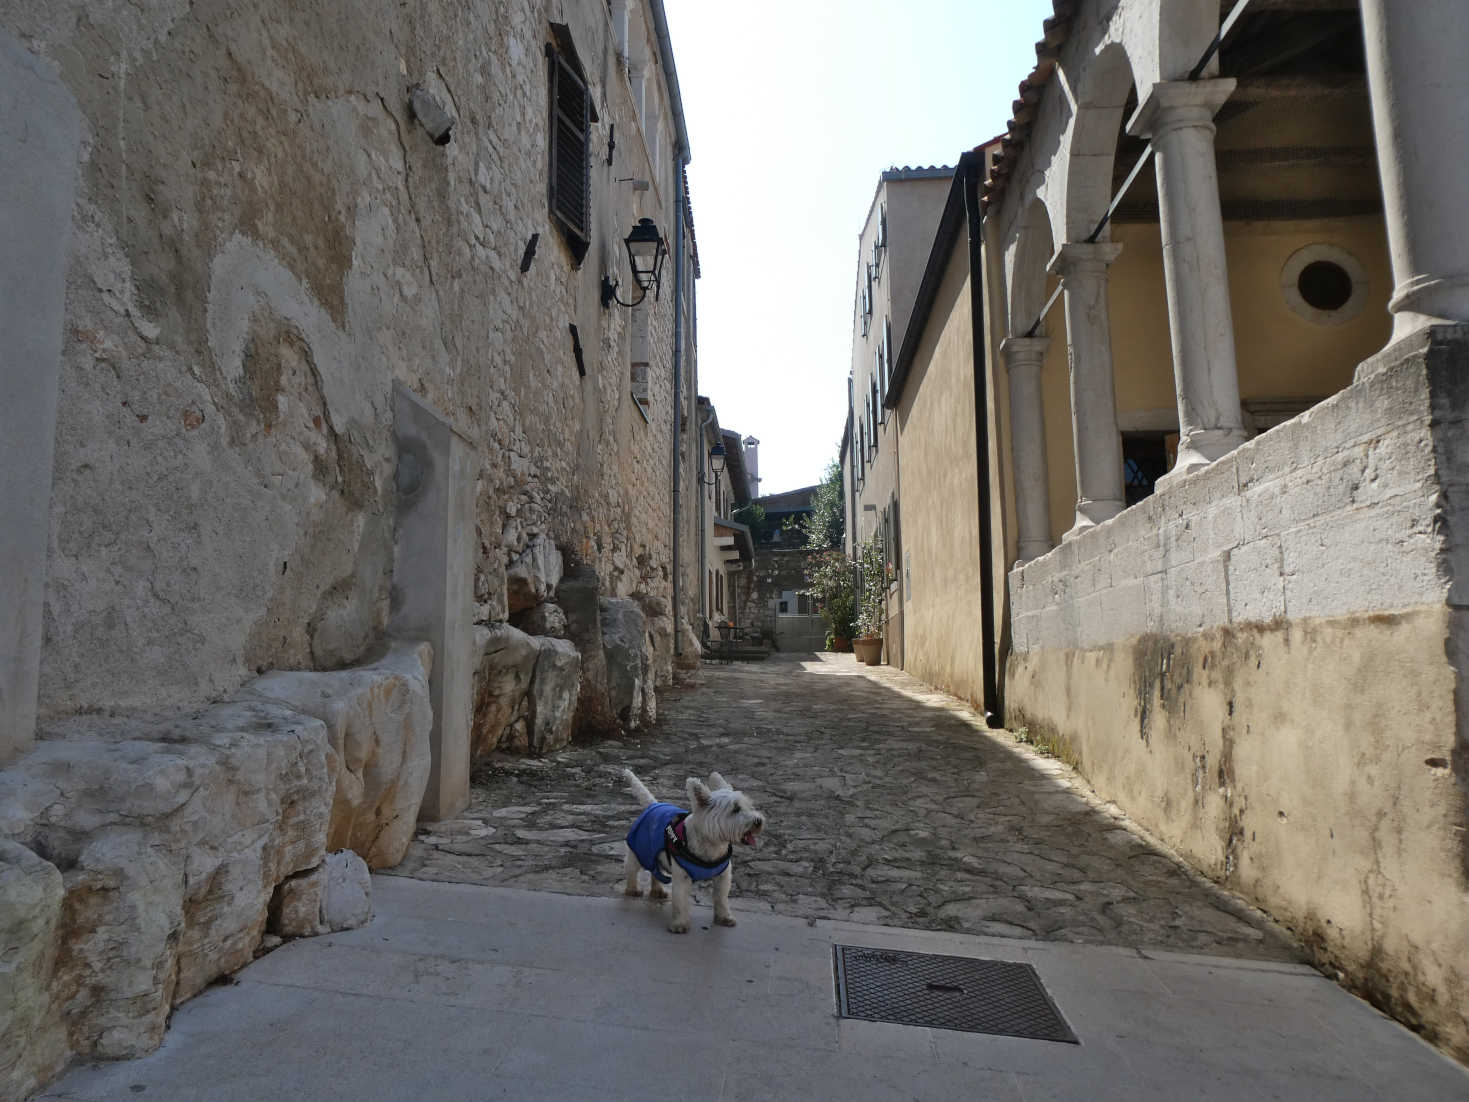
(716, 782)
(698, 793)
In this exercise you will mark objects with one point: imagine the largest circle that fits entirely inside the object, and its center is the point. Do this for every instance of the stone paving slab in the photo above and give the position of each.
(460, 992)
(888, 803)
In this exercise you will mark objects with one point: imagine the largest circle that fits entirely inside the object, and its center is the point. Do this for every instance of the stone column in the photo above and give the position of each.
(1082, 269)
(1024, 357)
(1419, 85)
(1179, 118)
(433, 583)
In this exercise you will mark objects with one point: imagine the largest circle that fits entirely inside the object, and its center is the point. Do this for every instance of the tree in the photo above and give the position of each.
(826, 525)
(752, 516)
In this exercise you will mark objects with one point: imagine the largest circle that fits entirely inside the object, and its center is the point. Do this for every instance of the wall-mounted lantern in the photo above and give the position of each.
(716, 465)
(645, 253)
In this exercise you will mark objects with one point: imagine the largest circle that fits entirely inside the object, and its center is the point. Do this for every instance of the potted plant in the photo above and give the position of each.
(871, 603)
(831, 583)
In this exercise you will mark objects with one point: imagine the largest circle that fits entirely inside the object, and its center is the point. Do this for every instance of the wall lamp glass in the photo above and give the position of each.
(716, 465)
(645, 253)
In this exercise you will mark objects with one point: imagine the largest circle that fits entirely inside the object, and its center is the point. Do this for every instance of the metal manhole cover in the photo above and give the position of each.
(964, 993)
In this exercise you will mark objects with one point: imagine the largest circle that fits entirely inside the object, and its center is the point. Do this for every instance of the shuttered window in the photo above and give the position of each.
(570, 127)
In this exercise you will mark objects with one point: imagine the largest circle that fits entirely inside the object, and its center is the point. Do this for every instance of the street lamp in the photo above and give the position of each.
(645, 253)
(716, 465)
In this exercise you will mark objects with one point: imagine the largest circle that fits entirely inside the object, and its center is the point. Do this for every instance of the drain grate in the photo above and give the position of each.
(977, 996)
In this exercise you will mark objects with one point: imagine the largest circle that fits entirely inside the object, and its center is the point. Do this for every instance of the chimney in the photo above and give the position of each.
(752, 464)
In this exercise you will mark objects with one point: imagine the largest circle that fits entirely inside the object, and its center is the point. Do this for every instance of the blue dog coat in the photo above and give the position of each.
(659, 828)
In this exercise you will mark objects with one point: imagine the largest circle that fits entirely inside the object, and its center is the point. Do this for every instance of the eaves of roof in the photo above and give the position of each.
(1054, 33)
(742, 535)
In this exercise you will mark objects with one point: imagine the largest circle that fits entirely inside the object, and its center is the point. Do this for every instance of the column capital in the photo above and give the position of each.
(1021, 352)
(1078, 257)
(1175, 104)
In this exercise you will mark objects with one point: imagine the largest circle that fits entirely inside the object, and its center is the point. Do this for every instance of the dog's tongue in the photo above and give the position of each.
(749, 839)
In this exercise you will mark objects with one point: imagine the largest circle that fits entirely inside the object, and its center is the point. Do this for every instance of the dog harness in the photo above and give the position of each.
(660, 828)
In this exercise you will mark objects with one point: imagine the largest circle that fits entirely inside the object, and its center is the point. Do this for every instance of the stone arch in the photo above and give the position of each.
(1101, 92)
(1166, 38)
(1027, 253)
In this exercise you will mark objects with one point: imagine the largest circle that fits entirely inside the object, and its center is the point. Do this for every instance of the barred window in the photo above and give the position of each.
(570, 129)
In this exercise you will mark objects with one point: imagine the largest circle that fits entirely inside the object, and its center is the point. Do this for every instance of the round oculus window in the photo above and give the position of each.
(1324, 284)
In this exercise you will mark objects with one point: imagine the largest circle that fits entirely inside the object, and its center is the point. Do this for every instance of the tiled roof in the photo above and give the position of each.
(919, 172)
(1054, 33)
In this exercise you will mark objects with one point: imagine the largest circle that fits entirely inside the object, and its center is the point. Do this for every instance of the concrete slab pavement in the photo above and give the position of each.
(458, 991)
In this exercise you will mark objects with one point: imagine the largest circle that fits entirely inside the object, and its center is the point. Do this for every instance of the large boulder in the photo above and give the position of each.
(545, 619)
(625, 648)
(501, 680)
(532, 577)
(579, 595)
(553, 692)
(33, 1045)
(172, 836)
(378, 719)
(659, 626)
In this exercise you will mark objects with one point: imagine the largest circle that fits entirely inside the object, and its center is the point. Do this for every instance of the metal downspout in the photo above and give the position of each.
(988, 660)
(703, 504)
(678, 279)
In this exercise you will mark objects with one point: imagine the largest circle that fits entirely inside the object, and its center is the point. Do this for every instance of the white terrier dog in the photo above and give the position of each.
(685, 846)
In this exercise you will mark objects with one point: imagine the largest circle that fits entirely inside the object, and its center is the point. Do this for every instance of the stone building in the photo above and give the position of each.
(890, 253)
(333, 457)
(728, 548)
(1222, 413)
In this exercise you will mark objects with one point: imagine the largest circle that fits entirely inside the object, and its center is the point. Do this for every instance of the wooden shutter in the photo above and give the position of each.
(570, 168)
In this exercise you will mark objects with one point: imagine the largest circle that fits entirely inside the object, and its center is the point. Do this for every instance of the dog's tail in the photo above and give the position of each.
(638, 788)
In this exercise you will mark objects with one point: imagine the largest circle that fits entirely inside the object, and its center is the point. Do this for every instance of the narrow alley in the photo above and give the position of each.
(888, 803)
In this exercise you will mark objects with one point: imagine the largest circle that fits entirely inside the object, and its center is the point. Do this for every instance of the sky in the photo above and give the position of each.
(793, 109)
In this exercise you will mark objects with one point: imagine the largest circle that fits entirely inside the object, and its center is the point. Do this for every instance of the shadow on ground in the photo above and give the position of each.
(888, 803)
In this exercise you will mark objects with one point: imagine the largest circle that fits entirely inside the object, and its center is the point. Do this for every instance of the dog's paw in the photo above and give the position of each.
(657, 891)
(632, 892)
(678, 927)
(725, 920)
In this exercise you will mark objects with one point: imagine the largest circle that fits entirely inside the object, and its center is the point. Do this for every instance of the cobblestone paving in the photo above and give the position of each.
(887, 802)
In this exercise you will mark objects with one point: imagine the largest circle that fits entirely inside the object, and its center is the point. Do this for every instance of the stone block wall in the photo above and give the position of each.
(1262, 664)
(263, 242)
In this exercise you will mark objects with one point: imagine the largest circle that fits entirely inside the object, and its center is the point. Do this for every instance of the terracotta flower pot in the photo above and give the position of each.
(868, 650)
(841, 644)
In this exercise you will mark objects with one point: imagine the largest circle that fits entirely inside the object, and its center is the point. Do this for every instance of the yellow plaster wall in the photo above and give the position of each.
(1280, 354)
(940, 518)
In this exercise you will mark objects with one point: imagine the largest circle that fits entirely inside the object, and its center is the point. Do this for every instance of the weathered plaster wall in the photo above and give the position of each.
(263, 243)
(942, 640)
(1261, 663)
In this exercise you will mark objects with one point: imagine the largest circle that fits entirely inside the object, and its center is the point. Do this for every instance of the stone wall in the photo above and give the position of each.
(774, 572)
(1262, 663)
(263, 242)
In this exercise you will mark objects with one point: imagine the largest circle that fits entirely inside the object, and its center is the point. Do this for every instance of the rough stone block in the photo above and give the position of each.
(1193, 596)
(507, 661)
(578, 595)
(334, 895)
(534, 574)
(378, 720)
(1379, 559)
(624, 647)
(660, 638)
(552, 697)
(544, 619)
(32, 1043)
(346, 902)
(175, 834)
(1256, 589)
